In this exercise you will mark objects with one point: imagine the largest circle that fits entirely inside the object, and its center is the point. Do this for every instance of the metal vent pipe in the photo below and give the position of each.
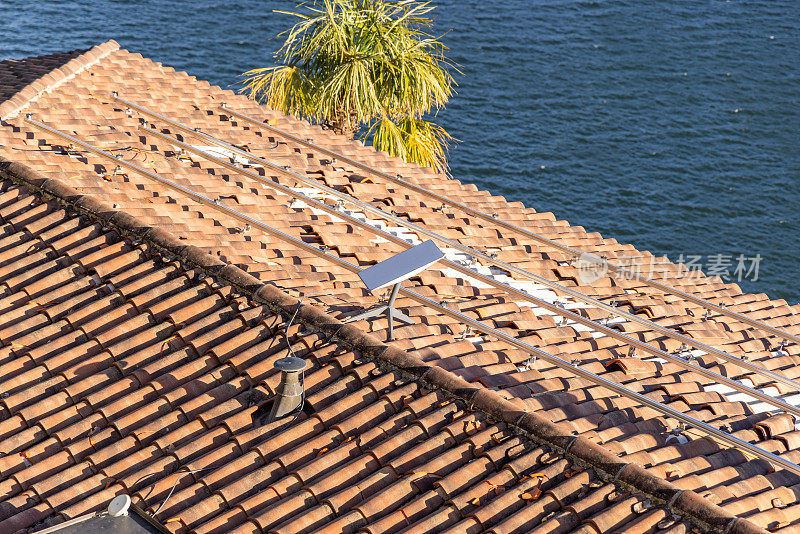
(289, 393)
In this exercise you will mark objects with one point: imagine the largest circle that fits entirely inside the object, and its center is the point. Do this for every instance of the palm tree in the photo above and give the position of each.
(367, 68)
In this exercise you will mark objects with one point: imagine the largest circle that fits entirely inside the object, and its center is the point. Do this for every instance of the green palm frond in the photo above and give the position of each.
(389, 137)
(364, 63)
(416, 140)
(285, 88)
(426, 142)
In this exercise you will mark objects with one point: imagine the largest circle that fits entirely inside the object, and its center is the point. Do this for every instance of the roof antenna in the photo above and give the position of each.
(289, 393)
(392, 272)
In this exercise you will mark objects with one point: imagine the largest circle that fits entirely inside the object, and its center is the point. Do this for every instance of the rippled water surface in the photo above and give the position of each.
(674, 126)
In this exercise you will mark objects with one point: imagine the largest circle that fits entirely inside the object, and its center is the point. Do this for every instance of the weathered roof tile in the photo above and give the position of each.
(128, 361)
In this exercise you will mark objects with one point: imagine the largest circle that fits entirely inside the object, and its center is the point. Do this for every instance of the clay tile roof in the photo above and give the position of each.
(140, 327)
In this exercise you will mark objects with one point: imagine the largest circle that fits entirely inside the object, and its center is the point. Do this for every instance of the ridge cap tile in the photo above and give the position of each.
(30, 93)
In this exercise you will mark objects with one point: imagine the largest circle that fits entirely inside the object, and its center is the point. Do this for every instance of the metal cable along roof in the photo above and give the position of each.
(468, 273)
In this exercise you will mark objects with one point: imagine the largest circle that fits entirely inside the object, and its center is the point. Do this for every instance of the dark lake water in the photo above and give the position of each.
(674, 126)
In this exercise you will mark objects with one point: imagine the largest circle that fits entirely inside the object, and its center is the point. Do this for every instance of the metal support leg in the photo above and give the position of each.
(387, 309)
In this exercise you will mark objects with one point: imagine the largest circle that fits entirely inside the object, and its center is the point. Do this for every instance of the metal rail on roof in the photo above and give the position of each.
(477, 325)
(508, 226)
(735, 385)
(436, 237)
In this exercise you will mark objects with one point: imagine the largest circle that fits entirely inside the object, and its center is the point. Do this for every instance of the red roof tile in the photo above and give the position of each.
(170, 419)
(159, 370)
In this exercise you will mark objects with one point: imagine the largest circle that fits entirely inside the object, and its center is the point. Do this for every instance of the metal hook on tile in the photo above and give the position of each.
(685, 353)
(470, 262)
(528, 365)
(467, 332)
(641, 507)
(446, 303)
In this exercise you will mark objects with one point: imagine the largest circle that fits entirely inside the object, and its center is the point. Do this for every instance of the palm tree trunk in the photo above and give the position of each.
(342, 126)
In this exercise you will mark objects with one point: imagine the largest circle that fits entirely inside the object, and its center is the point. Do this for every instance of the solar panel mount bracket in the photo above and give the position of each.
(388, 309)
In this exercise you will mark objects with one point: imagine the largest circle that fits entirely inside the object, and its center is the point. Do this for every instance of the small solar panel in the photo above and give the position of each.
(392, 272)
(401, 266)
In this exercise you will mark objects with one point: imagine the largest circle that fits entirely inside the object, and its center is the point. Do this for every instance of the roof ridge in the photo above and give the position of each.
(31, 92)
(398, 163)
(610, 467)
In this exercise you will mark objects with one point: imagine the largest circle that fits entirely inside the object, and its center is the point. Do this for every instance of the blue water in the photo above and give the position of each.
(674, 126)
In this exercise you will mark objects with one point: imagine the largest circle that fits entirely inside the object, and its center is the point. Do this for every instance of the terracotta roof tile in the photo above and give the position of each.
(123, 359)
